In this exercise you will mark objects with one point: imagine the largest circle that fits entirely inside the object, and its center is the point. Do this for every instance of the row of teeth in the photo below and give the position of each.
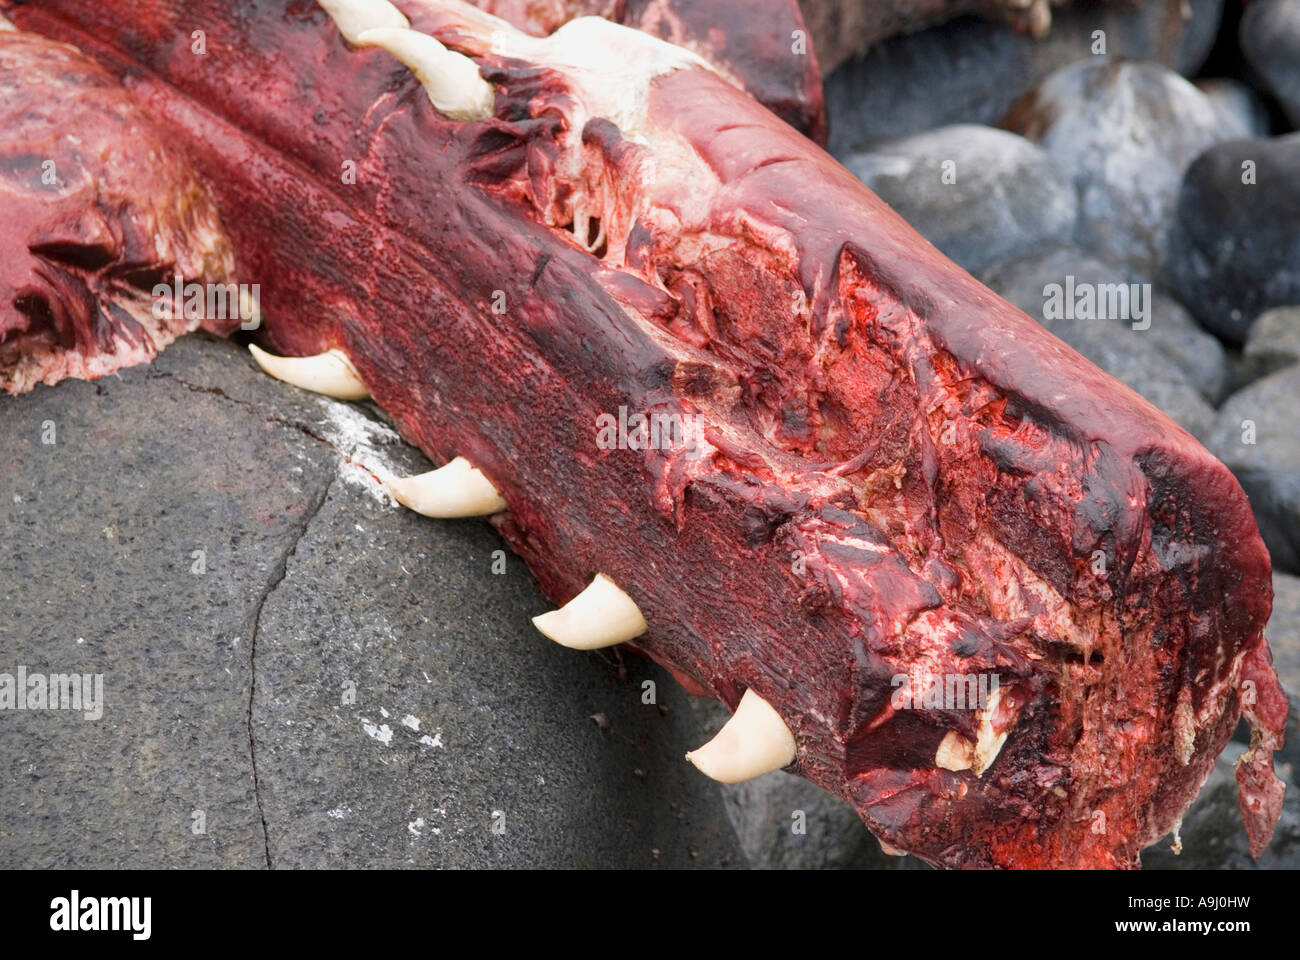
(755, 740)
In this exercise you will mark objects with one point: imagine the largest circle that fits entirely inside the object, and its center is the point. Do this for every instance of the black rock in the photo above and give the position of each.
(1234, 247)
(1270, 39)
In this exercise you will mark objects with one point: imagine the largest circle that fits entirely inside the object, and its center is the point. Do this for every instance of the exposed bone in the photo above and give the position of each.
(890, 850)
(753, 742)
(456, 490)
(355, 17)
(600, 616)
(330, 373)
(450, 79)
(955, 753)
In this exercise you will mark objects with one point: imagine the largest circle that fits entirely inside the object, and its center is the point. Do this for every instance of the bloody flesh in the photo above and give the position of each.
(893, 472)
(98, 208)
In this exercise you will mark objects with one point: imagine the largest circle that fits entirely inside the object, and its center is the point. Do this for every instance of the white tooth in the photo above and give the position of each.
(450, 79)
(330, 373)
(955, 752)
(600, 616)
(988, 744)
(456, 490)
(355, 17)
(753, 742)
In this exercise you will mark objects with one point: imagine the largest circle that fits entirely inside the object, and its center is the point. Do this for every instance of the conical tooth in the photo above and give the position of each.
(355, 17)
(753, 742)
(600, 616)
(456, 490)
(450, 79)
(330, 373)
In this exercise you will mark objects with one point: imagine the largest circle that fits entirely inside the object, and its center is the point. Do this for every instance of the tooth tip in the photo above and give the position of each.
(375, 36)
(456, 490)
(753, 742)
(329, 373)
(451, 80)
(602, 615)
(354, 18)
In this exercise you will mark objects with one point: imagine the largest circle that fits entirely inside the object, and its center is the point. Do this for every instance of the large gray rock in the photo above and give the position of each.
(1124, 133)
(1270, 38)
(344, 684)
(1256, 436)
(971, 71)
(1172, 363)
(978, 194)
(1234, 245)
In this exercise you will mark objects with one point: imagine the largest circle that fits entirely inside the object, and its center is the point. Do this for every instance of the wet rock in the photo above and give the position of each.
(407, 713)
(1256, 436)
(1124, 133)
(1212, 834)
(971, 71)
(1172, 362)
(1238, 105)
(344, 683)
(1270, 39)
(142, 520)
(978, 194)
(1274, 343)
(1234, 250)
